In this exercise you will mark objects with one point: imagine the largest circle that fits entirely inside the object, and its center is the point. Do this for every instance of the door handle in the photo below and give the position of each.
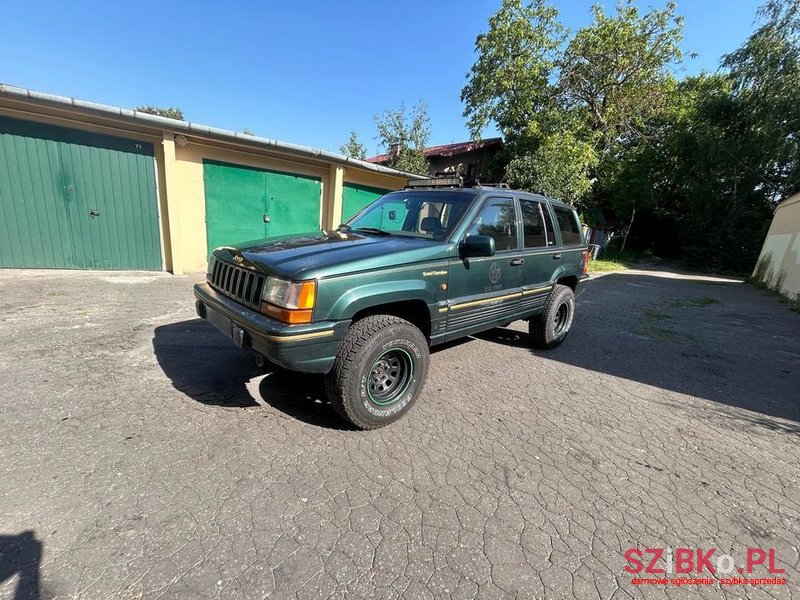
(94, 213)
(557, 256)
(517, 262)
(265, 218)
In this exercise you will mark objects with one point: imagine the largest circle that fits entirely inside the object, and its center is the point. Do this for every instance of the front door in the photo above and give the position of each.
(540, 254)
(486, 290)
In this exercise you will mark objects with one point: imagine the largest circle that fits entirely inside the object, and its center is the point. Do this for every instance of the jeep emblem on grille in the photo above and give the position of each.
(238, 259)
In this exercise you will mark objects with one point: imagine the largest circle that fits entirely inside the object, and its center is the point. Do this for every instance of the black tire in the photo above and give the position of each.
(550, 327)
(379, 371)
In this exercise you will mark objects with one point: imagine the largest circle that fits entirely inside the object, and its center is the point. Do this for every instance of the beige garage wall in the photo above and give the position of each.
(373, 179)
(780, 255)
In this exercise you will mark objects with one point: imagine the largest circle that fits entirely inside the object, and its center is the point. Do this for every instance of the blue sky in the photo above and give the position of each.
(303, 72)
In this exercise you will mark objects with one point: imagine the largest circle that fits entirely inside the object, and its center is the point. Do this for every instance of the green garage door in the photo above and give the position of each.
(77, 200)
(244, 203)
(355, 197)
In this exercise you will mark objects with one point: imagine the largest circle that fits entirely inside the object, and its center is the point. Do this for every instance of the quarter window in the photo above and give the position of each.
(533, 226)
(570, 229)
(497, 219)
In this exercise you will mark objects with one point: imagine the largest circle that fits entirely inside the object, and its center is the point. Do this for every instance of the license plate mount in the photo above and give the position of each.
(239, 336)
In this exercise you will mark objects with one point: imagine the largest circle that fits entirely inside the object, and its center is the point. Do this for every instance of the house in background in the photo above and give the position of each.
(778, 264)
(471, 159)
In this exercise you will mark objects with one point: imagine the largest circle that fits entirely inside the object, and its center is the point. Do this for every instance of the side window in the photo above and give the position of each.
(533, 227)
(570, 229)
(497, 219)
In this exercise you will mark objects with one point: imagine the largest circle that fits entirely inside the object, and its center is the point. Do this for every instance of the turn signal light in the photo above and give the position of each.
(287, 315)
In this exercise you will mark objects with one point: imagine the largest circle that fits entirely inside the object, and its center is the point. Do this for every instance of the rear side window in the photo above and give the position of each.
(533, 224)
(570, 229)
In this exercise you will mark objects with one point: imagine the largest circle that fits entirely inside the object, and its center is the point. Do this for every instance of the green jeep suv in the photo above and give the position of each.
(429, 264)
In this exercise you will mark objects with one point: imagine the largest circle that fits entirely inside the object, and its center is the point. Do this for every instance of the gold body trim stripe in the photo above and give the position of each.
(537, 290)
(485, 301)
(300, 336)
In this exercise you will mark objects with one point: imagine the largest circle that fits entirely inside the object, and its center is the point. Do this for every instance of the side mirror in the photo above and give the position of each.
(477, 245)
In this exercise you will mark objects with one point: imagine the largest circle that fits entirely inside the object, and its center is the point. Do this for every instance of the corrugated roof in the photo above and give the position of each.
(189, 128)
(446, 149)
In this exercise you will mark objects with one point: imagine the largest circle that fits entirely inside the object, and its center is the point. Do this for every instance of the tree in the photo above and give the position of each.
(509, 84)
(404, 136)
(765, 73)
(560, 166)
(566, 109)
(170, 112)
(616, 74)
(353, 148)
(247, 131)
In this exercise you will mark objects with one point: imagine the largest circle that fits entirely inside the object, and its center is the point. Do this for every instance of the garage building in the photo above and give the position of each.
(779, 263)
(90, 186)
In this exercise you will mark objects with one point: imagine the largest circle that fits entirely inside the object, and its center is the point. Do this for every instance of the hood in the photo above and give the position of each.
(325, 253)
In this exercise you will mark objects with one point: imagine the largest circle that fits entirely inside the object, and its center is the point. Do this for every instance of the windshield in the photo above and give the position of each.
(422, 214)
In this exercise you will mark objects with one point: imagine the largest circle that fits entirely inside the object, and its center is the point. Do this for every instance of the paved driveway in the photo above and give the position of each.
(143, 456)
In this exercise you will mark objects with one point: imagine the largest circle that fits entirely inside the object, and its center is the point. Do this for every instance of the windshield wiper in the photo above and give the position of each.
(374, 230)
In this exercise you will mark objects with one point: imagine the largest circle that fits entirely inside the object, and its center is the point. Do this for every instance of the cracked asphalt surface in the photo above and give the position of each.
(142, 455)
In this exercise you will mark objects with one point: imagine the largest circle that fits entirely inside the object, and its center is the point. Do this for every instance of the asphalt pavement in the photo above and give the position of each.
(142, 455)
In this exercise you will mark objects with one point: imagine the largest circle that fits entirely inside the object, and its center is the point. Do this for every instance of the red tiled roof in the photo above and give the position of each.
(446, 149)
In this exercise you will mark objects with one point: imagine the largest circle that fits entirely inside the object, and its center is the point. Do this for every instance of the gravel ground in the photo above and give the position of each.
(142, 455)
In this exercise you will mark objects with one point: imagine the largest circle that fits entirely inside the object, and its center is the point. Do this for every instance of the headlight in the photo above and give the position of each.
(290, 302)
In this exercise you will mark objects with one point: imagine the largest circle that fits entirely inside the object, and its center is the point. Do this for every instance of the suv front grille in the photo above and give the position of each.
(243, 285)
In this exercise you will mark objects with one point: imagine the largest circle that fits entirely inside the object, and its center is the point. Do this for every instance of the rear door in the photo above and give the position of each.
(540, 252)
(485, 291)
(572, 244)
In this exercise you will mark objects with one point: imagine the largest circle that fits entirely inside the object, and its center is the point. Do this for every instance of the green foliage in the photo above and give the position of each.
(696, 191)
(604, 266)
(404, 136)
(612, 259)
(559, 167)
(765, 72)
(598, 118)
(509, 84)
(566, 107)
(170, 112)
(353, 148)
(247, 131)
(615, 72)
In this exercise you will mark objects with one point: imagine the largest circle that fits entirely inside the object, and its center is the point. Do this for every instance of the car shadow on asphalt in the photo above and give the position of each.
(728, 343)
(206, 366)
(21, 556)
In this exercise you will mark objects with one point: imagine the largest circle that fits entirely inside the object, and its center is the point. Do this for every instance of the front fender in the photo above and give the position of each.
(369, 295)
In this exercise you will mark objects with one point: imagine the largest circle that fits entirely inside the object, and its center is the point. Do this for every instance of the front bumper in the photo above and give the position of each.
(307, 348)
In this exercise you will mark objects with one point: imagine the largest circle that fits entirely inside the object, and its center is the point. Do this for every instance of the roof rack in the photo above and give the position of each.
(436, 182)
(456, 181)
